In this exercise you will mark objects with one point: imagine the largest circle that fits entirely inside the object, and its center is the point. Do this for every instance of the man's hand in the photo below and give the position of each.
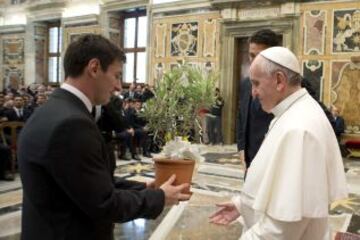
(173, 193)
(226, 214)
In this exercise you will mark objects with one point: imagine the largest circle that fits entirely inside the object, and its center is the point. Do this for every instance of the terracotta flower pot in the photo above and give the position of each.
(183, 169)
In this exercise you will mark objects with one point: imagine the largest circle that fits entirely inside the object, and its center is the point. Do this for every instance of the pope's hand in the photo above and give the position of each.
(226, 214)
(173, 193)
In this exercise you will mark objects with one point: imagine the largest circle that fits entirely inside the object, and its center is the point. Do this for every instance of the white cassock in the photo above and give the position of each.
(296, 174)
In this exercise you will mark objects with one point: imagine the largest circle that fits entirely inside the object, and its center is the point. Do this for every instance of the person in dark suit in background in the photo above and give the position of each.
(132, 93)
(18, 112)
(68, 189)
(252, 121)
(112, 120)
(339, 122)
(147, 93)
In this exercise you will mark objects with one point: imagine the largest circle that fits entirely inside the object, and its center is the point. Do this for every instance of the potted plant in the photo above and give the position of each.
(172, 115)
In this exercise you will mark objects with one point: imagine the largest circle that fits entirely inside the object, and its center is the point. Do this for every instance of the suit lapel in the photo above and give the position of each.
(68, 96)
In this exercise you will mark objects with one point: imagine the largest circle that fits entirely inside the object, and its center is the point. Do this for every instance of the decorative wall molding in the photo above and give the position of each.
(246, 14)
(160, 40)
(54, 13)
(260, 12)
(209, 36)
(72, 33)
(182, 6)
(12, 29)
(314, 32)
(115, 5)
(81, 20)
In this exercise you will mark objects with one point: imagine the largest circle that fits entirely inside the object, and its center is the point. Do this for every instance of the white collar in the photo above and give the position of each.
(287, 102)
(78, 94)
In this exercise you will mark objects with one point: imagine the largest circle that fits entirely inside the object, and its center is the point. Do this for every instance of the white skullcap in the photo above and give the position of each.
(282, 56)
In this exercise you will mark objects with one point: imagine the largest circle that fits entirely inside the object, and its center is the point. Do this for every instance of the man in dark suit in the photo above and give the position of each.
(147, 93)
(253, 122)
(18, 112)
(112, 119)
(132, 93)
(68, 189)
(339, 126)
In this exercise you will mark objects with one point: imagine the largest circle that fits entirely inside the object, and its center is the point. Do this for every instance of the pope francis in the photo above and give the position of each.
(298, 170)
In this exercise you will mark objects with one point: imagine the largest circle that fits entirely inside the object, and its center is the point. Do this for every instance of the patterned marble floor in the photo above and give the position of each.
(218, 178)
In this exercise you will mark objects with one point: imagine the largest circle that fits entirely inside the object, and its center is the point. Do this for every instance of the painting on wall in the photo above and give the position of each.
(184, 39)
(13, 76)
(73, 33)
(160, 40)
(314, 31)
(40, 56)
(209, 37)
(313, 71)
(346, 31)
(13, 51)
(346, 92)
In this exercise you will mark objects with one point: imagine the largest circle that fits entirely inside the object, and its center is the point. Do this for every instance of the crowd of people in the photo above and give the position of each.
(17, 105)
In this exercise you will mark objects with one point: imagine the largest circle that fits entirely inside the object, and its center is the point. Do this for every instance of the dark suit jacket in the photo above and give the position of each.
(12, 115)
(249, 138)
(339, 126)
(113, 117)
(135, 121)
(135, 95)
(147, 94)
(68, 192)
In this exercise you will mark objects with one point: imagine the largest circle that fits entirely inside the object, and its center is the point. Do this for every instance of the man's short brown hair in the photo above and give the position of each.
(87, 47)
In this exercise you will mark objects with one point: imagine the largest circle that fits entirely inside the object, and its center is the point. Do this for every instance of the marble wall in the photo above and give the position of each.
(329, 46)
(72, 32)
(115, 29)
(193, 38)
(325, 35)
(41, 41)
(12, 68)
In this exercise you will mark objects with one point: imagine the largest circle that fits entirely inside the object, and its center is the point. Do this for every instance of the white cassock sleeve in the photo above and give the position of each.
(269, 228)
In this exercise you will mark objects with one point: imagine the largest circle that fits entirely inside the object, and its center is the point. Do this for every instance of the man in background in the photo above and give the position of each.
(253, 122)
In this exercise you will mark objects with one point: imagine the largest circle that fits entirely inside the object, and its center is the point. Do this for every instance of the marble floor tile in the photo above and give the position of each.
(217, 179)
(194, 222)
(10, 225)
(10, 198)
